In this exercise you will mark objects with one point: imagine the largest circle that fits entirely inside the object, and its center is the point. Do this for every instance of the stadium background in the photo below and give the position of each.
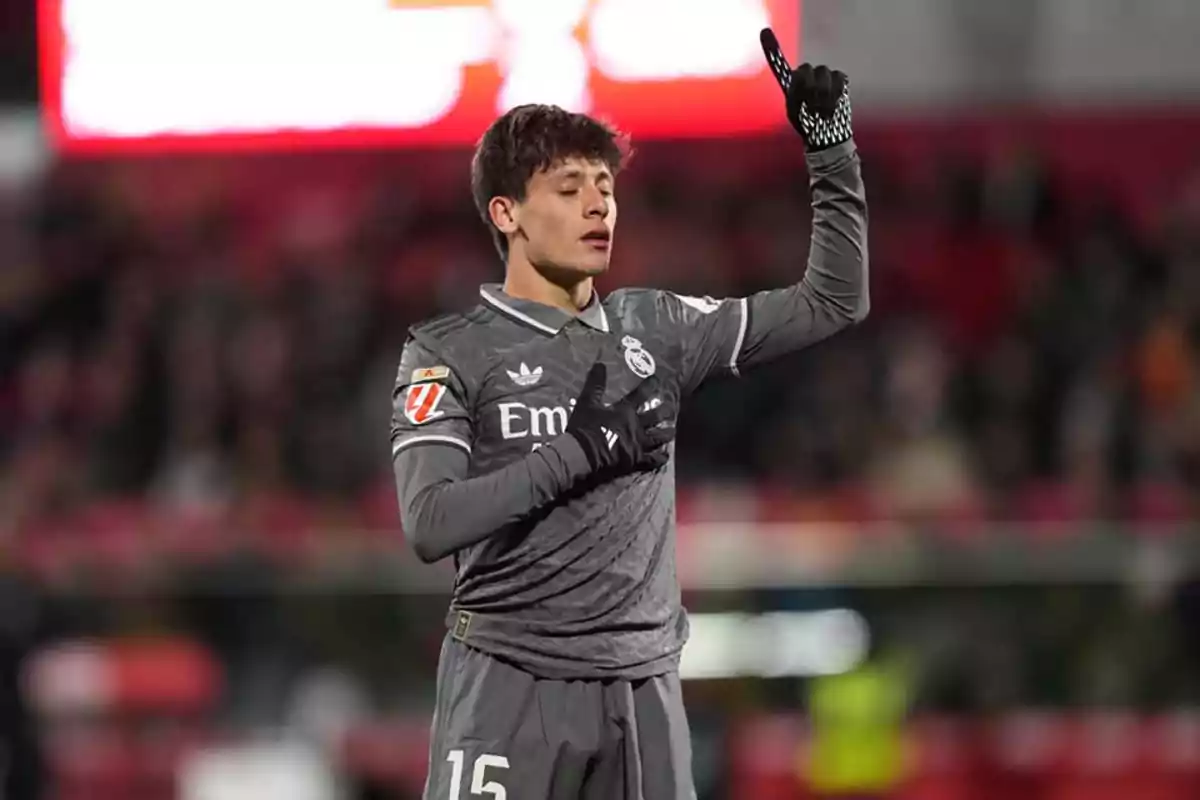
(949, 554)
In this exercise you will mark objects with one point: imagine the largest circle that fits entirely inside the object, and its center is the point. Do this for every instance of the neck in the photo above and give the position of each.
(524, 281)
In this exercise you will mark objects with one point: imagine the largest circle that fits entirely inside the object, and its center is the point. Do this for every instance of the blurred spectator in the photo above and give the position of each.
(857, 720)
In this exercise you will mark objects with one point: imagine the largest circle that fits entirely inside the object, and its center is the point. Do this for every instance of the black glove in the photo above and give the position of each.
(631, 433)
(818, 99)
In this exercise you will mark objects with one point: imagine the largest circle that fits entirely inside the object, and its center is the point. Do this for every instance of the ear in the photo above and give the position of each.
(505, 214)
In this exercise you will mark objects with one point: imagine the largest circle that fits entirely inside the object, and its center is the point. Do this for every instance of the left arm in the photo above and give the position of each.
(723, 337)
(835, 289)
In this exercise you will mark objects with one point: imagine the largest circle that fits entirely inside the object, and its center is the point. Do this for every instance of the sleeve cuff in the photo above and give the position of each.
(831, 159)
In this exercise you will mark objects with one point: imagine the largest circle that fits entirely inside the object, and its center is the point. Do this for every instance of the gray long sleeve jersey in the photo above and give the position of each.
(576, 578)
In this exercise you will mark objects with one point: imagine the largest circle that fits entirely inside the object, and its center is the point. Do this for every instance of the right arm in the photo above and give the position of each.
(442, 507)
(442, 510)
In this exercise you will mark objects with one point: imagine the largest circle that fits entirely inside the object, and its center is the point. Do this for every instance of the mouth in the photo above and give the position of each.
(598, 240)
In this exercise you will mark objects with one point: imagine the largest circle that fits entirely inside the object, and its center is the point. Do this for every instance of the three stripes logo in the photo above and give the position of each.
(609, 437)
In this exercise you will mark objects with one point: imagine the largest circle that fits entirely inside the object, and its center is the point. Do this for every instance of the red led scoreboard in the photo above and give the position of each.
(130, 75)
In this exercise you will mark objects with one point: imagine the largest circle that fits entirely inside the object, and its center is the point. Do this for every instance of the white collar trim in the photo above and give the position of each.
(500, 305)
(503, 307)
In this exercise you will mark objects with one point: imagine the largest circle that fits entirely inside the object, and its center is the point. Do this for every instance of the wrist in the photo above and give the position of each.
(581, 450)
(568, 459)
(830, 159)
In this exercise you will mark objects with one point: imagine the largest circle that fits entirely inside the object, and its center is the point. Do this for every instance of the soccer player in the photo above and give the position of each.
(532, 443)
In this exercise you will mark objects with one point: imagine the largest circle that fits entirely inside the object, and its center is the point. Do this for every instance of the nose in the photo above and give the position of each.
(596, 204)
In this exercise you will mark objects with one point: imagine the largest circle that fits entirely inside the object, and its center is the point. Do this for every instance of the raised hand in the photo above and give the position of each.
(817, 98)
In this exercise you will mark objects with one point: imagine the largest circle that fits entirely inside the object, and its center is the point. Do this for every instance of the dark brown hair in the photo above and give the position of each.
(531, 138)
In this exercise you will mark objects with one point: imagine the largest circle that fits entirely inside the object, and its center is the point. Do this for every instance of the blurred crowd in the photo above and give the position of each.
(197, 331)
(211, 342)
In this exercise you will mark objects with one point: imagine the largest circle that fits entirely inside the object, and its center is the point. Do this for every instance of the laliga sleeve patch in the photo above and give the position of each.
(421, 403)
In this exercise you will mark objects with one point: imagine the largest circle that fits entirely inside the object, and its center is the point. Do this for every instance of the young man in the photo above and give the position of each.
(531, 442)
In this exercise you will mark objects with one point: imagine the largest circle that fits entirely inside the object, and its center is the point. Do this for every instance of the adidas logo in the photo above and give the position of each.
(523, 377)
(609, 437)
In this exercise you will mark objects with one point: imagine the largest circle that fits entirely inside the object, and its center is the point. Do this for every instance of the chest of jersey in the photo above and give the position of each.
(526, 397)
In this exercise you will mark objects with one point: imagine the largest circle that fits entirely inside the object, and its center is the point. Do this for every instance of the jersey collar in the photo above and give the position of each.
(547, 319)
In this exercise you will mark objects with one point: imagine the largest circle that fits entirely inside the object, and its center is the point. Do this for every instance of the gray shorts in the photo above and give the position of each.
(500, 733)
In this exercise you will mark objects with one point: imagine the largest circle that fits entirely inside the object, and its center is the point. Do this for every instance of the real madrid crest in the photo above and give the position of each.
(637, 358)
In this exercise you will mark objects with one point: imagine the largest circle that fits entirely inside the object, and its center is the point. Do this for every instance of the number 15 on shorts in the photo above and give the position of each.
(481, 786)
